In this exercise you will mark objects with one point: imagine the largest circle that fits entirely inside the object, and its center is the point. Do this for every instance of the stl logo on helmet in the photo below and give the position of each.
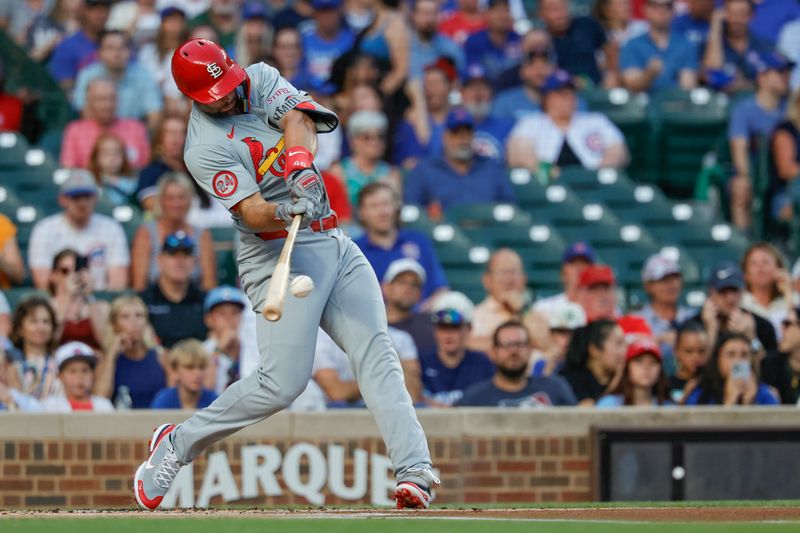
(224, 183)
(214, 70)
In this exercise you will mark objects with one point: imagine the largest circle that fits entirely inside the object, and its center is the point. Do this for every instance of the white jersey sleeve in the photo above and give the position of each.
(272, 92)
(220, 175)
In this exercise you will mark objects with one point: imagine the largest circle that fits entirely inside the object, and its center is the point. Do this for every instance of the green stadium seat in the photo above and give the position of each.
(540, 246)
(9, 203)
(227, 271)
(558, 206)
(649, 206)
(468, 281)
(13, 148)
(544, 280)
(16, 294)
(414, 217)
(471, 216)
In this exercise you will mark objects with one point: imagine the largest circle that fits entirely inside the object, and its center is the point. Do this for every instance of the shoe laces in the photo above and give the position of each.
(167, 470)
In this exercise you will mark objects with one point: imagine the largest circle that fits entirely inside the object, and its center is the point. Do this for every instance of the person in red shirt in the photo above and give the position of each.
(466, 20)
(10, 106)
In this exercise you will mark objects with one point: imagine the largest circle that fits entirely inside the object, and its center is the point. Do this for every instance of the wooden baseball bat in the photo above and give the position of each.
(276, 293)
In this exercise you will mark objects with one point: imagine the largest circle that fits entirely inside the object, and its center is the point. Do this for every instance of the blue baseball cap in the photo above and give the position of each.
(224, 294)
(172, 10)
(253, 11)
(326, 4)
(726, 275)
(474, 72)
(560, 79)
(459, 117)
(769, 61)
(579, 250)
(178, 242)
(80, 182)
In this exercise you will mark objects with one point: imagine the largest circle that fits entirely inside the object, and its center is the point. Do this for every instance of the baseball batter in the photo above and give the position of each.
(250, 145)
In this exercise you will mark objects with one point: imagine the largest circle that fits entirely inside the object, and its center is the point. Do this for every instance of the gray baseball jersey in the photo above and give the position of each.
(233, 158)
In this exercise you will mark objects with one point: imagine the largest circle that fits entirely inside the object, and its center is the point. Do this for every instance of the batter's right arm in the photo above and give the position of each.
(260, 215)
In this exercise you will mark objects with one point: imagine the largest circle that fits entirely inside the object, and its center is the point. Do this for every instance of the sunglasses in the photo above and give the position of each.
(515, 344)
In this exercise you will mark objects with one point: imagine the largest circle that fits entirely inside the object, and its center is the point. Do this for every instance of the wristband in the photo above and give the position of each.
(297, 158)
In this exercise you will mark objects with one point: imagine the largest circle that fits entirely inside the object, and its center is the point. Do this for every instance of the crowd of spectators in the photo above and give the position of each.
(438, 100)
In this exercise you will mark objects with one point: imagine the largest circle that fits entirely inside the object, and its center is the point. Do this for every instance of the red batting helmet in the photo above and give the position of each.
(204, 72)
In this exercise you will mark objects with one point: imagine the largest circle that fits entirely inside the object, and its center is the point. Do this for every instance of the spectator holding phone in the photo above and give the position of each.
(80, 317)
(782, 370)
(643, 381)
(76, 364)
(691, 355)
(730, 377)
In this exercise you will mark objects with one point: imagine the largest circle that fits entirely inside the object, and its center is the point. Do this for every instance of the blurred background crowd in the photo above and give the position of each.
(566, 202)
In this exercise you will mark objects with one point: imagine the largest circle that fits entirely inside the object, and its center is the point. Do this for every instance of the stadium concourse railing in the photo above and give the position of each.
(337, 457)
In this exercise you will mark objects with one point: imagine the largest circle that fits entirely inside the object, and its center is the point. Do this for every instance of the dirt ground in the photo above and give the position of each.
(636, 514)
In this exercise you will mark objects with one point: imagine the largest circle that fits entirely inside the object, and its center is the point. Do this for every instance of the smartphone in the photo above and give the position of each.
(741, 370)
(81, 263)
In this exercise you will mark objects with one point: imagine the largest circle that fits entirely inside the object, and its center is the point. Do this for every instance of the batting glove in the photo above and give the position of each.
(286, 211)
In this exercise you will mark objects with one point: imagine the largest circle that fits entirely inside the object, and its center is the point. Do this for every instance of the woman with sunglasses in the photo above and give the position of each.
(781, 370)
(730, 376)
(80, 317)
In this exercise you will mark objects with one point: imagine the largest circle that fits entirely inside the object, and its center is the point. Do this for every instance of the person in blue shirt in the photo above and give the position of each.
(660, 59)
(138, 94)
(770, 16)
(427, 44)
(329, 40)
(577, 42)
(491, 132)
(497, 47)
(514, 103)
(451, 369)
(643, 381)
(189, 362)
(752, 119)
(78, 50)
(458, 176)
(511, 386)
(730, 378)
(694, 24)
(384, 241)
(731, 47)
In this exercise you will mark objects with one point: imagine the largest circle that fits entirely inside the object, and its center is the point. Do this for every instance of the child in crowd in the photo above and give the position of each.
(76, 363)
(188, 361)
(643, 381)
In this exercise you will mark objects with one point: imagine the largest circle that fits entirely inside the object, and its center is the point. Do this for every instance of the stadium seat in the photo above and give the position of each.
(492, 215)
(559, 205)
(13, 147)
(468, 281)
(414, 217)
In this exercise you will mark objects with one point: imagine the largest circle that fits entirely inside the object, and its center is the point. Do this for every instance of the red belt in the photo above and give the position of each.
(321, 224)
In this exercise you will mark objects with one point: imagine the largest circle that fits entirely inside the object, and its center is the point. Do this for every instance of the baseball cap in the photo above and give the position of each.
(398, 266)
(459, 117)
(72, 351)
(769, 61)
(596, 275)
(79, 182)
(224, 294)
(634, 327)
(326, 4)
(641, 347)
(452, 309)
(566, 315)
(253, 11)
(474, 72)
(172, 10)
(362, 121)
(659, 267)
(578, 250)
(178, 242)
(726, 275)
(560, 79)
(446, 66)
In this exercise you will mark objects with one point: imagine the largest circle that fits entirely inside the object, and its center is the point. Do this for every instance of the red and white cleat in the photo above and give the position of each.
(154, 477)
(411, 496)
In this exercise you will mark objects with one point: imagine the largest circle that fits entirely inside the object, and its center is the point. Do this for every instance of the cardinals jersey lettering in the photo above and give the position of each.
(236, 156)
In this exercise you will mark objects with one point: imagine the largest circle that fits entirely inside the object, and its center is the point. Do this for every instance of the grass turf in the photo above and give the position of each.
(369, 525)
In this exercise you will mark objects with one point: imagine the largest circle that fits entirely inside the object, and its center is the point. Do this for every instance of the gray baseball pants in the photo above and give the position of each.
(347, 303)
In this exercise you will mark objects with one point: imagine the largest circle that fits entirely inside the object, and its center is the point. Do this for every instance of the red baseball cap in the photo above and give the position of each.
(596, 275)
(641, 347)
(634, 326)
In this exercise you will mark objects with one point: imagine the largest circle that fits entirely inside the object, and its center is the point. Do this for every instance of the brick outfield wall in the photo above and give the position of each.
(85, 461)
(80, 474)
